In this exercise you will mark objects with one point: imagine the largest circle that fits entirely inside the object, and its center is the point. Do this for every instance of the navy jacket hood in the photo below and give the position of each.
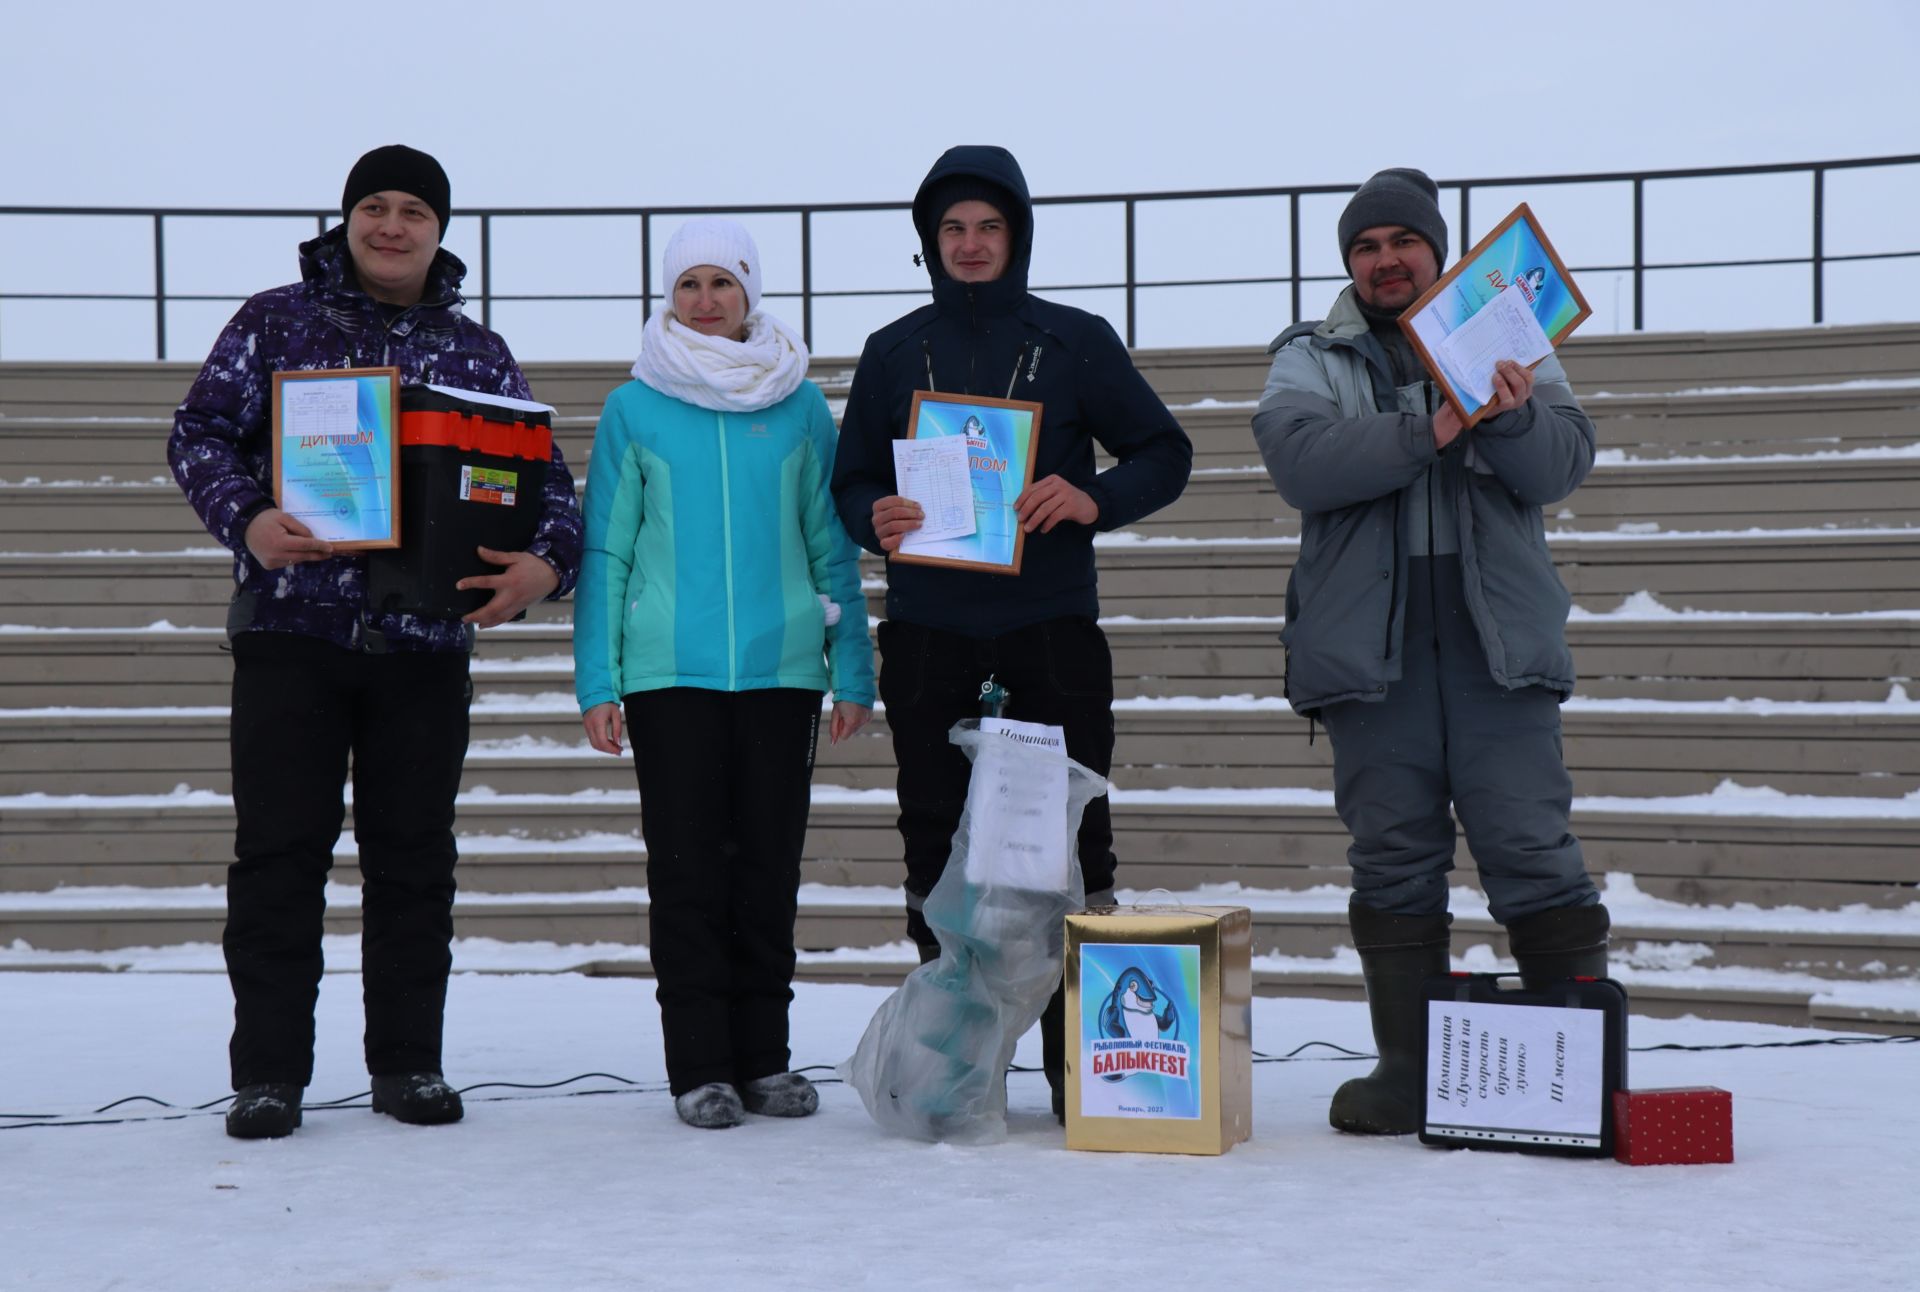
(996, 166)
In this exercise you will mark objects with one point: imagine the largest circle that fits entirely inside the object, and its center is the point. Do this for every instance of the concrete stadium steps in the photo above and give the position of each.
(45, 450)
(1665, 361)
(1684, 437)
(1758, 420)
(1645, 428)
(189, 588)
(1827, 571)
(1803, 493)
(1652, 996)
(1230, 502)
(872, 918)
(1795, 657)
(134, 450)
(1650, 427)
(1643, 362)
(1159, 745)
(1750, 422)
(1179, 842)
(1841, 572)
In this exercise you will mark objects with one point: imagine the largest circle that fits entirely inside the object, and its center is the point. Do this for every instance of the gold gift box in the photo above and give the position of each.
(1159, 1028)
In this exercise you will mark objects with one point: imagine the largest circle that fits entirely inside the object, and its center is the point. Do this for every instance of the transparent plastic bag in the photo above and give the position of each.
(933, 1062)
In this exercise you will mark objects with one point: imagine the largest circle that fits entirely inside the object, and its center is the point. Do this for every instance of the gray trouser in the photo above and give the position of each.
(1447, 731)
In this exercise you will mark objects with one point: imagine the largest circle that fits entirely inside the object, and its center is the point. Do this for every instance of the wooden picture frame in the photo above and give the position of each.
(1003, 438)
(336, 454)
(1516, 253)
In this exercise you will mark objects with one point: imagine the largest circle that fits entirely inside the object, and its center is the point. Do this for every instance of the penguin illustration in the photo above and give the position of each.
(1130, 1014)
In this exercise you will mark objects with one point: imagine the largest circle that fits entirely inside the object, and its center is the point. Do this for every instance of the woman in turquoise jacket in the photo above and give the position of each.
(719, 598)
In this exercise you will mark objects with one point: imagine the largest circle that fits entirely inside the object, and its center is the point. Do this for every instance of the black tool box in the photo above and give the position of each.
(473, 471)
(1510, 1067)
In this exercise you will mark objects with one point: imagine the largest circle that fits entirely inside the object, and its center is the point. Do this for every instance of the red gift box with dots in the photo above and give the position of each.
(1676, 1127)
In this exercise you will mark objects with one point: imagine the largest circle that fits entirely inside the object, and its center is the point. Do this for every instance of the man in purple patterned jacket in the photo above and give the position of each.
(318, 676)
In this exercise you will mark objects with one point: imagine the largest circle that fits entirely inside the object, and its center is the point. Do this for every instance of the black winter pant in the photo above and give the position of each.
(1058, 672)
(302, 708)
(1448, 733)
(725, 779)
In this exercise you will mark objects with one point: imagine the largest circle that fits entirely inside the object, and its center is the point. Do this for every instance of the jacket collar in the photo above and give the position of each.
(1001, 296)
(1345, 327)
(1344, 321)
(326, 264)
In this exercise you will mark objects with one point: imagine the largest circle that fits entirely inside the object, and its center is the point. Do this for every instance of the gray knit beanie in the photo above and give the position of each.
(1403, 197)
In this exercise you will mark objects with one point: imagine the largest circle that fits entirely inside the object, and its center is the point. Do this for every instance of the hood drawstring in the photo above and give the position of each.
(926, 348)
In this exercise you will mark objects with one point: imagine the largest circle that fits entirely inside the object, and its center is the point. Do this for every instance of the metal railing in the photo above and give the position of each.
(1817, 258)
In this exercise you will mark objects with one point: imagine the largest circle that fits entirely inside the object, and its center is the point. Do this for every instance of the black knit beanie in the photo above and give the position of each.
(399, 168)
(1401, 197)
(967, 188)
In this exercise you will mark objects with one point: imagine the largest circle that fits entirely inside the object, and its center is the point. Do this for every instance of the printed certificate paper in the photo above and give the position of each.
(1523, 1074)
(1515, 279)
(1018, 814)
(934, 473)
(1002, 437)
(336, 454)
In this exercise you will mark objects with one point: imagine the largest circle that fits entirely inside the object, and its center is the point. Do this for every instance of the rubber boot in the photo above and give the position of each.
(1398, 953)
(1565, 942)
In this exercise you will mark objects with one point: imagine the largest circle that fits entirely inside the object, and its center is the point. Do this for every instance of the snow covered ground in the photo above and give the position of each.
(540, 1191)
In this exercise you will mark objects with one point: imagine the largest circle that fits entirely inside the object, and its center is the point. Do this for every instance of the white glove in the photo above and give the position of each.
(832, 608)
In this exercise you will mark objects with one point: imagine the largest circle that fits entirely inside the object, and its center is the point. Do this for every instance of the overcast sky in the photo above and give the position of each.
(593, 102)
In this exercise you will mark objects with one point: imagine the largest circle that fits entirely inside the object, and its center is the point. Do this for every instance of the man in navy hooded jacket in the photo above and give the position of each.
(1036, 633)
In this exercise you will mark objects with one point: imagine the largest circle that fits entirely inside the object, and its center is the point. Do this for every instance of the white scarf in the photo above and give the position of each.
(719, 373)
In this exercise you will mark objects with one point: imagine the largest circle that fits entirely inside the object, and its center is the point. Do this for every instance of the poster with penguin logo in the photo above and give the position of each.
(1139, 1028)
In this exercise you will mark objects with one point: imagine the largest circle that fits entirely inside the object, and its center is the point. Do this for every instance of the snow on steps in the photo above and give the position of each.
(533, 743)
(1776, 570)
(1771, 610)
(1777, 966)
(1639, 648)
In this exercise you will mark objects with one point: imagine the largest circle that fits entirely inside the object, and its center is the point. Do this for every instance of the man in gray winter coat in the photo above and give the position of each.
(1426, 630)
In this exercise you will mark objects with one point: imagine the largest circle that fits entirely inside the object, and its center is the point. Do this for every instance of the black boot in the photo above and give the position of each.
(922, 936)
(1565, 942)
(1398, 953)
(267, 1111)
(1053, 1030)
(1053, 1050)
(419, 1098)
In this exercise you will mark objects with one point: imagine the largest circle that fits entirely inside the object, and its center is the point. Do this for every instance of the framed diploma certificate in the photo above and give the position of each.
(968, 496)
(1508, 298)
(336, 454)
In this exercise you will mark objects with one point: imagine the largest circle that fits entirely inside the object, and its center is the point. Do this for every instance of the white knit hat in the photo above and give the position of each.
(724, 244)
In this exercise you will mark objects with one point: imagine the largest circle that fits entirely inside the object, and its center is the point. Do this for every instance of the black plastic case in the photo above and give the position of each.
(456, 496)
(1602, 994)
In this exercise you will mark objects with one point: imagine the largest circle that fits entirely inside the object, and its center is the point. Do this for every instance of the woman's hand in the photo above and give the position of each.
(848, 718)
(602, 722)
